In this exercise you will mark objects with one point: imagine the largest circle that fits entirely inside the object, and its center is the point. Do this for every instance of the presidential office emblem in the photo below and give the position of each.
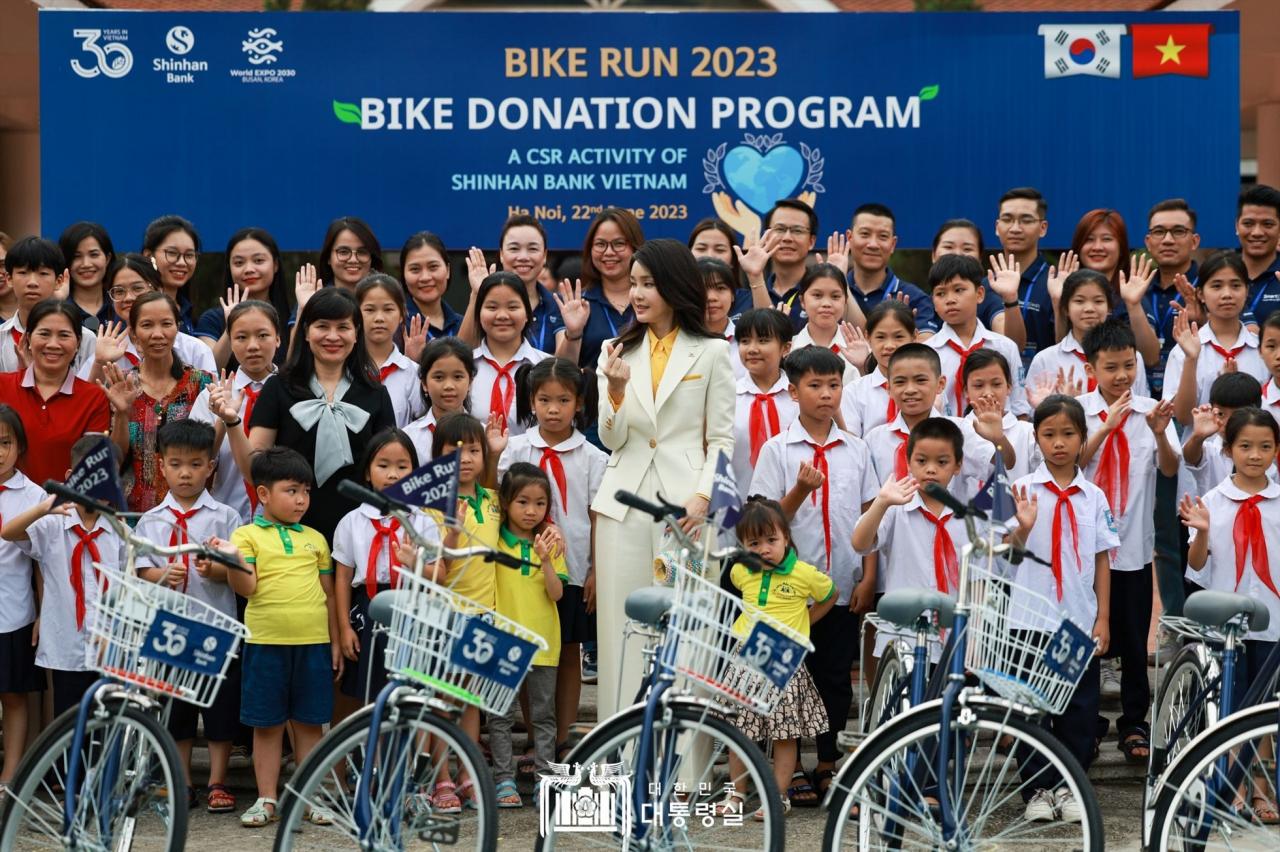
(1089, 49)
(600, 804)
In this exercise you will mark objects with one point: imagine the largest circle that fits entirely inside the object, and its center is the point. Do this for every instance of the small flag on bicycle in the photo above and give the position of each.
(98, 475)
(724, 494)
(432, 486)
(994, 497)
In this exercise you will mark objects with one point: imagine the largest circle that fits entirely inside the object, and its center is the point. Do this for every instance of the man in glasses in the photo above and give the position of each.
(795, 227)
(1020, 225)
(1258, 227)
(1171, 240)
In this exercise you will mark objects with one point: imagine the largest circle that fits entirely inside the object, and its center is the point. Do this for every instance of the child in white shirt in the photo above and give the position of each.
(382, 309)
(824, 296)
(763, 407)
(502, 312)
(866, 403)
(445, 375)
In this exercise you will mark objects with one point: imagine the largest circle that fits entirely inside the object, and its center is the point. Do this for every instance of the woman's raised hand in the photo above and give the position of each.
(617, 371)
(477, 271)
(305, 285)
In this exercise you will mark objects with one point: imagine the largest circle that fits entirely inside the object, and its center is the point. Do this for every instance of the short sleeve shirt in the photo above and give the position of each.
(289, 606)
(783, 593)
(474, 578)
(522, 596)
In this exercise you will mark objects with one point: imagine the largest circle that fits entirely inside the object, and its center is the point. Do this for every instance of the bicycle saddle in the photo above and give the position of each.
(903, 606)
(383, 602)
(1214, 609)
(650, 604)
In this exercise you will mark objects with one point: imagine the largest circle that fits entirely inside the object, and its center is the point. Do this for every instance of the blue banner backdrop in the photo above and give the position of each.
(450, 122)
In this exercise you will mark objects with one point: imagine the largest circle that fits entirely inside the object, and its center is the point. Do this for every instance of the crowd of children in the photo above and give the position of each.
(850, 398)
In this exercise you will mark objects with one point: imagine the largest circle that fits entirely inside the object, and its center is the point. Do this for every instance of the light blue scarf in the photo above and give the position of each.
(336, 421)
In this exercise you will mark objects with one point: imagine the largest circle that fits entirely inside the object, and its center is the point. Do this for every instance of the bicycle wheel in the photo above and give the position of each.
(892, 782)
(682, 783)
(129, 766)
(1207, 797)
(1178, 718)
(889, 691)
(402, 812)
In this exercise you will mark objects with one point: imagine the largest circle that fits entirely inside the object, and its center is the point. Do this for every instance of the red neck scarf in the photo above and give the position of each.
(764, 423)
(964, 358)
(17, 337)
(820, 462)
(1113, 467)
(382, 534)
(86, 542)
(1092, 383)
(250, 400)
(550, 462)
(179, 535)
(500, 397)
(1064, 499)
(1247, 535)
(946, 567)
(900, 455)
(1227, 354)
(386, 370)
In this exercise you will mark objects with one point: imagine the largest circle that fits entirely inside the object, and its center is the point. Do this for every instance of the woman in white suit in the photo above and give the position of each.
(666, 411)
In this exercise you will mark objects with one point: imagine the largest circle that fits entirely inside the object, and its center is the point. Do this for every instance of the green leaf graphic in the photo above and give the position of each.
(350, 113)
(928, 93)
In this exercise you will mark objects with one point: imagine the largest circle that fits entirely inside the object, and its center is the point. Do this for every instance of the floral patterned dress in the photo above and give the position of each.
(144, 483)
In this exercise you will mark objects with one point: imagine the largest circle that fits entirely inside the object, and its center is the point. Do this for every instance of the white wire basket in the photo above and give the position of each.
(185, 657)
(430, 622)
(708, 653)
(1011, 628)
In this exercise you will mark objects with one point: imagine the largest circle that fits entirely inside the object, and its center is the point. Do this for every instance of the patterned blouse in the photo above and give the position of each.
(144, 483)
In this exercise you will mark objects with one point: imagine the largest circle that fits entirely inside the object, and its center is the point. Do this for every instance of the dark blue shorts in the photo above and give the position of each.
(282, 682)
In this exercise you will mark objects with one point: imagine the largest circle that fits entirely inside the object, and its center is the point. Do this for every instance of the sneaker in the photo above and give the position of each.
(240, 757)
(1069, 809)
(589, 671)
(1043, 807)
(1110, 678)
(1167, 645)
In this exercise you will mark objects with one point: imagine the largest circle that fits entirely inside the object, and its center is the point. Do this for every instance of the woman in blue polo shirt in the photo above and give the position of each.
(424, 272)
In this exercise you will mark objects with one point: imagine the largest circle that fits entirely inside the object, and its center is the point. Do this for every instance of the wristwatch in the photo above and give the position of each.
(1014, 304)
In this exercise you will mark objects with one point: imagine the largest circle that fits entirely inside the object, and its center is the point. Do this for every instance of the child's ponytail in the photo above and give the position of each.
(529, 378)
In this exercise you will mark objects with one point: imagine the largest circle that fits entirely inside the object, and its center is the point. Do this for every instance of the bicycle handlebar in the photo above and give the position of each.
(116, 518)
(658, 511)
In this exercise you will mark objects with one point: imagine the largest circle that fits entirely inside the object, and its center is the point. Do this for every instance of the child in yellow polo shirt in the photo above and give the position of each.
(528, 597)
(785, 593)
(478, 509)
(293, 653)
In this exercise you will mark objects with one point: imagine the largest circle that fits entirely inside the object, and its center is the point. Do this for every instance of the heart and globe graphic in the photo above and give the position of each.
(761, 179)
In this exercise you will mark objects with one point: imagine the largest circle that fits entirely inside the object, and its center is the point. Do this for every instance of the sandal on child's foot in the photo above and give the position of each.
(319, 816)
(220, 800)
(261, 813)
(801, 791)
(467, 793)
(508, 795)
(758, 816)
(1264, 810)
(732, 804)
(444, 798)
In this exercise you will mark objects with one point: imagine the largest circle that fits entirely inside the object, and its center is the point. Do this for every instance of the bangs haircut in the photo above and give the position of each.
(919, 352)
(1110, 335)
(1083, 278)
(34, 254)
(1243, 417)
(766, 324)
(955, 266)
(10, 417)
(186, 435)
(492, 282)
(363, 233)
(761, 516)
(716, 273)
(1059, 403)
(443, 347)
(458, 427)
(332, 304)
(383, 439)
(1236, 390)
(811, 360)
(982, 359)
(940, 429)
(280, 464)
(518, 477)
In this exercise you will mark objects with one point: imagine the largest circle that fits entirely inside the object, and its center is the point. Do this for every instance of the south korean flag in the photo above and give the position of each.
(1082, 49)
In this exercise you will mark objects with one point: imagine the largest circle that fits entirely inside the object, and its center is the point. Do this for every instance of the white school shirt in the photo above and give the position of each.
(803, 338)
(17, 599)
(735, 359)
(354, 534)
(62, 646)
(851, 482)
(883, 442)
(1097, 534)
(584, 465)
(486, 375)
(865, 404)
(1137, 527)
(211, 518)
(1215, 466)
(422, 433)
(1210, 363)
(190, 349)
(402, 386)
(743, 402)
(1021, 435)
(1017, 401)
(229, 482)
(905, 541)
(82, 364)
(1219, 570)
(1068, 356)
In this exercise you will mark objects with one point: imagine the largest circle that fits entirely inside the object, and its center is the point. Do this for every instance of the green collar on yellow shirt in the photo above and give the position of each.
(477, 502)
(510, 539)
(788, 562)
(283, 529)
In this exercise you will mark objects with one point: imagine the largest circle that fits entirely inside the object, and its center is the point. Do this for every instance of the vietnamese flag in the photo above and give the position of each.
(1170, 49)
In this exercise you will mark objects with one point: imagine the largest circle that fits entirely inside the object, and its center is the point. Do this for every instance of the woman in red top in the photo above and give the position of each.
(160, 389)
(56, 407)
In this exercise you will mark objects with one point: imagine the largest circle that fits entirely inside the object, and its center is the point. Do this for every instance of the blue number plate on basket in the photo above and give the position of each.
(187, 644)
(1069, 651)
(772, 654)
(493, 654)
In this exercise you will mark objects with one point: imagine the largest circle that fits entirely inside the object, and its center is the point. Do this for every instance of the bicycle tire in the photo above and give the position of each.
(1180, 800)
(147, 746)
(912, 823)
(1180, 684)
(606, 743)
(409, 719)
(890, 687)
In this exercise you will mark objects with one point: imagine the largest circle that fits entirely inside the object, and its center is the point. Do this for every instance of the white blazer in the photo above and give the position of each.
(680, 430)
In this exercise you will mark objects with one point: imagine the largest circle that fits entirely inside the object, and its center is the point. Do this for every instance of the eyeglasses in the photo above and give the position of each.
(173, 256)
(793, 230)
(1024, 221)
(118, 293)
(1178, 233)
(345, 252)
(602, 246)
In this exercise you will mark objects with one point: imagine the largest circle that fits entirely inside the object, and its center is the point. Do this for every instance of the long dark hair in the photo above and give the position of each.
(445, 347)
(675, 274)
(177, 368)
(331, 303)
(493, 282)
(77, 233)
(277, 293)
